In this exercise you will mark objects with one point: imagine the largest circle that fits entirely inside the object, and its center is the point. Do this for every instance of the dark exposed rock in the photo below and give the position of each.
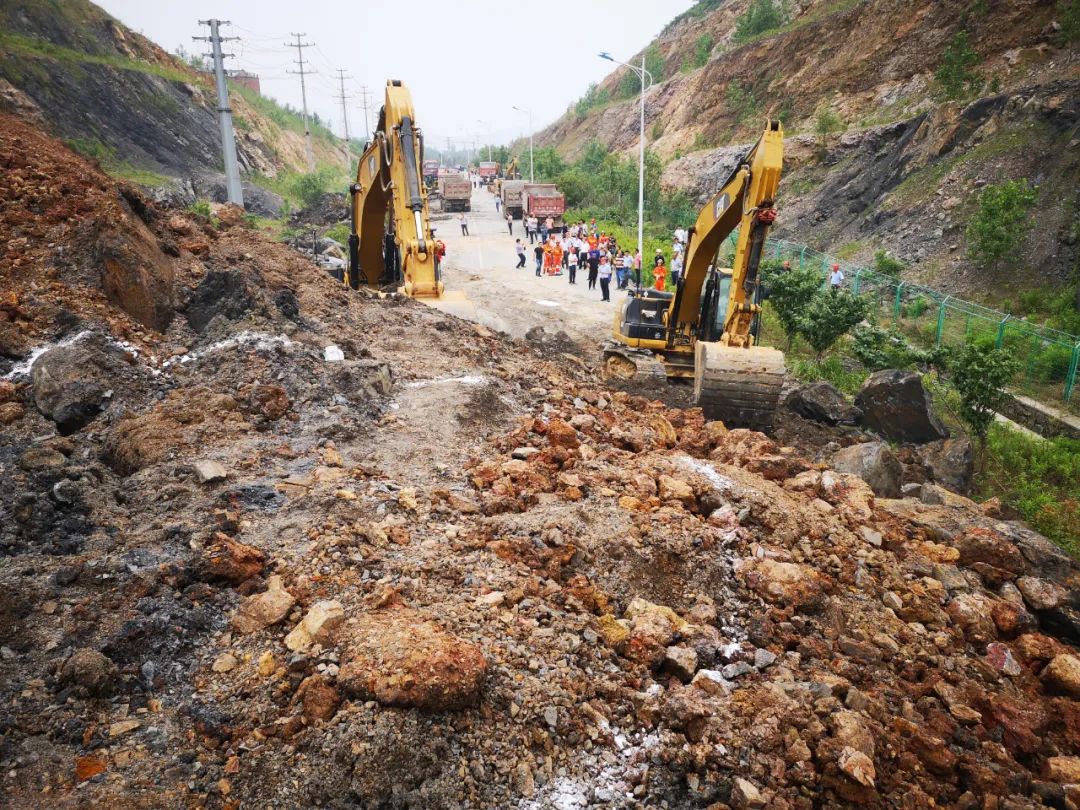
(822, 402)
(950, 462)
(895, 404)
(73, 383)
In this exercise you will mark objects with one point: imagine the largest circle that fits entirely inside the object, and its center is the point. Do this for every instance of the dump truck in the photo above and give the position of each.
(510, 192)
(543, 200)
(488, 171)
(431, 173)
(456, 192)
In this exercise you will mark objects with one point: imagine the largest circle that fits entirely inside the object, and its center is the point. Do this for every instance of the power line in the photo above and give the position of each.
(367, 119)
(303, 93)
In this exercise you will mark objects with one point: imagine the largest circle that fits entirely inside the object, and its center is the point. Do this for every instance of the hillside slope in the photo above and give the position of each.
(902, 170)
(116, 96)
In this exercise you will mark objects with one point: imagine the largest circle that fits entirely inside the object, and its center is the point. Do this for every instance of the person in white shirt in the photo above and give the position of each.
(836, 278)
(676, 269)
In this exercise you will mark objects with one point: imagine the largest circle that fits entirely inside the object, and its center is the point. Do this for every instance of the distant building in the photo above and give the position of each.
(248, 80)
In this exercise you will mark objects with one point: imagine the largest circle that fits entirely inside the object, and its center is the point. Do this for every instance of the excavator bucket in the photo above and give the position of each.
(739, 386)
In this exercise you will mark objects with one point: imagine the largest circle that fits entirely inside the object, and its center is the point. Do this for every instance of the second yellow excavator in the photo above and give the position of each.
(706, 330)
(392, 241)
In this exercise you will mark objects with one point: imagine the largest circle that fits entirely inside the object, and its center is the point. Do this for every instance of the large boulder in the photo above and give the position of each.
(950, 462)
(399, 657)
(895, 405)
(874, 463)
(73, 383)
(135, 273)
(822, 402)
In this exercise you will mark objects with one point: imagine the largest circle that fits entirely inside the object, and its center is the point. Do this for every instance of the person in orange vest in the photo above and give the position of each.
(556, 257)
(660, 273)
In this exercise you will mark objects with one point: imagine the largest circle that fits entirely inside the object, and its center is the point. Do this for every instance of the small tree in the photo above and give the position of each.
(828, 317)
(789, 294)
(1002, 221)
(955, 74)
(888, 265)
(826, 122)
(979, 372)
(702, 50)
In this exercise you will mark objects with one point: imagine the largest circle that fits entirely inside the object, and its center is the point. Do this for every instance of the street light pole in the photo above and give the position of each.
(641, 74)
(532, 178)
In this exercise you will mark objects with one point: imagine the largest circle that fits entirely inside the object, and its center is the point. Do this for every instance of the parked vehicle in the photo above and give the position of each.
(488, 171)
(510, 191)
(543, 200)
(456, 192)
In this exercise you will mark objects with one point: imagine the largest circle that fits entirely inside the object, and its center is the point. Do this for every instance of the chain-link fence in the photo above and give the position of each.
(928, 317)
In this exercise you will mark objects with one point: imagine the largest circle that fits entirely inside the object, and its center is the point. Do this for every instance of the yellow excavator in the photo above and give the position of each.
(392, 242)
(512, 171)
(706, 330)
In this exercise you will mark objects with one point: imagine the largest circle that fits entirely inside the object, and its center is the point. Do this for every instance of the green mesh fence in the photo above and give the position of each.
(1049, 358)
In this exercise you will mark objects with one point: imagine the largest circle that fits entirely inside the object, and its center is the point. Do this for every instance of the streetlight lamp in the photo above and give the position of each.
(641, 74)
(488, 125)
(532, 179)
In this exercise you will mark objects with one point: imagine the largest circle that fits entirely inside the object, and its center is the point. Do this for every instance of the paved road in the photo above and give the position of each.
(512, 300)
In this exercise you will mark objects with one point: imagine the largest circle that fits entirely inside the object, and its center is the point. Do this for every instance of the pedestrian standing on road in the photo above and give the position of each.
(604, 271)
(532, 229)
(520, 248)
(464, 220)
(572, 263)
(544, 231)
(594, 264)
(637, 268)
(676, 269)
(510, 224)
(538, 252)
(498, 204)
(836, 278)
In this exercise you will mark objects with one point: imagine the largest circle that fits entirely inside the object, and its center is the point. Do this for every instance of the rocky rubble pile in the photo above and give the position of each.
(447, 570)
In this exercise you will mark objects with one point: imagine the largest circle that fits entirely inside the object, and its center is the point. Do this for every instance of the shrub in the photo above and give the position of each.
(789, 294)
(833, 370)
(955, 75)
(1002, 221)
(1069, 11)
(829, 316)
(200, 208)
(740, 101)
(702, 50)
(915, 308)
(761, 16)
(979, 373)
(887, 265)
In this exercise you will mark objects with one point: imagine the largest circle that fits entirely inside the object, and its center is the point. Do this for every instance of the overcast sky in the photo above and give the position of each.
(465, 61)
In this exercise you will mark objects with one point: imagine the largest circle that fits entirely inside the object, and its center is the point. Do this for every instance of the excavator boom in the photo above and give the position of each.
(392, 241)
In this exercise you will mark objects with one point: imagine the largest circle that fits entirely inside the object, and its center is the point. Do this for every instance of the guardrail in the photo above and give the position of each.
(1050, 358)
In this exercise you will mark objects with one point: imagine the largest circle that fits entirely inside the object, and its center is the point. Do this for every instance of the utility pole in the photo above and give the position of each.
(367, 119)
(233, 190)
(303, 92)
(342, 98)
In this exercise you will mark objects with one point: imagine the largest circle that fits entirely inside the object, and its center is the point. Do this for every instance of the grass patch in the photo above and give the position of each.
(34, 47)
(846, 376)
(105, 156)
(1040, 478)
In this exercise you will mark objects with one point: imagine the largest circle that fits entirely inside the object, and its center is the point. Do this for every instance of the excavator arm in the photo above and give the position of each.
(391, 237)
(745, 202)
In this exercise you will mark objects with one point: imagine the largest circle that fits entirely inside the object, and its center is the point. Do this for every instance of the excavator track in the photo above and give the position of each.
(635, 368)
(740, 387)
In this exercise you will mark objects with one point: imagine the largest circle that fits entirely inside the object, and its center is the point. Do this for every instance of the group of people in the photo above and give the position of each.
(569, 248)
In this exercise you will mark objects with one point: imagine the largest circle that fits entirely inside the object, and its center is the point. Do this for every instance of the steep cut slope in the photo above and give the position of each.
(117, 96)
(878, 157)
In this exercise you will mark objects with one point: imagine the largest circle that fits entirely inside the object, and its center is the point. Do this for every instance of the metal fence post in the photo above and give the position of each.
(896, 306)
(941, 318)
(1001, 332)
(1070, 378)
(855, 284)
(802, 257)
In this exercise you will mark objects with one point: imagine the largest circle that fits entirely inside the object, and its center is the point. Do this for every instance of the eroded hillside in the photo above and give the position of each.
(878, 155)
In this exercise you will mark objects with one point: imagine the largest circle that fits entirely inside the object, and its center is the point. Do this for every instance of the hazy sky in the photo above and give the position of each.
(465, 61)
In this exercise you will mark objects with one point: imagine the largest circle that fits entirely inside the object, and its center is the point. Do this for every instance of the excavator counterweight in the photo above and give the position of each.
(706, 330)
(392, 242)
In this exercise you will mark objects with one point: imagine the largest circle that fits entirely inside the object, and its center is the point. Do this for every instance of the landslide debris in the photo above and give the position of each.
(450, 570)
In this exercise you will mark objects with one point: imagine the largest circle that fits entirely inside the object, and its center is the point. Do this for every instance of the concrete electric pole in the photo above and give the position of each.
(343, 98)
(303, 93)
(367, 118)
(233, 190)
